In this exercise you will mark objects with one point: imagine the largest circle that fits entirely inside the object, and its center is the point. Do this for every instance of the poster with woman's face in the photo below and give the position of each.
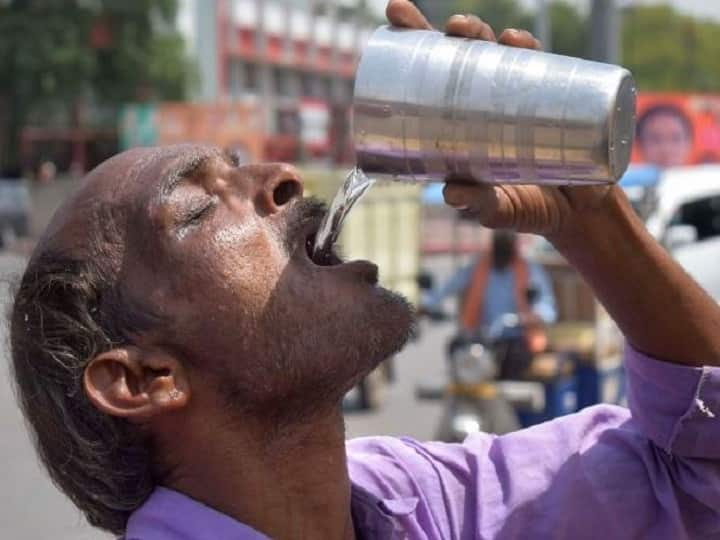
(677, 129)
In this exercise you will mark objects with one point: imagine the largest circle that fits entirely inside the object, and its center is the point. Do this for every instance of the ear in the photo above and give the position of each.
(136, 384)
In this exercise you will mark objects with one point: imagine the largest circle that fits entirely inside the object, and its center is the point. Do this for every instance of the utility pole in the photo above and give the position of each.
(605, 31)
(543, 25)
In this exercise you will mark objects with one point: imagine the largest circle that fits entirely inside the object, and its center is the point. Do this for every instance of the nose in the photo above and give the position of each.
(277, 184)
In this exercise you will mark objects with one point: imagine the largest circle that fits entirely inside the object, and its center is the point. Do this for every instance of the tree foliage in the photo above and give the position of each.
(569, 27)
(498, 13)
(570, 30)
(666, 50)
(55, 53)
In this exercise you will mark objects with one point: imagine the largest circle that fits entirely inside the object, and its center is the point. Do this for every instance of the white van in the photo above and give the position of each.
(687, 221)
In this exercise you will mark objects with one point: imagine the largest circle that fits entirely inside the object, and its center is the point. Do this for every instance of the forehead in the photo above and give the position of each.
(126, 183)
(664, 120)
(154, 171)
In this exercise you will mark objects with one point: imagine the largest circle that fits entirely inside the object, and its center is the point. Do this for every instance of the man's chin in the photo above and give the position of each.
(313, 356)
(390, 323)
(393, 324)
(378, 327)
(399, 320)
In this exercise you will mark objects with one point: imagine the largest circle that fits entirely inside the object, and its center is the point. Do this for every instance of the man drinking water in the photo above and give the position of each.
(181, 360)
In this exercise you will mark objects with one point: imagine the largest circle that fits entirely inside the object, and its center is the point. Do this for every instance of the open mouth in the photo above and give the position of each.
(326, 257)
(308, 225)
(366, 271)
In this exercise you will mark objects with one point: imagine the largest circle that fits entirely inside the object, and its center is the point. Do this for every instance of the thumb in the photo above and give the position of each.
(488, 204)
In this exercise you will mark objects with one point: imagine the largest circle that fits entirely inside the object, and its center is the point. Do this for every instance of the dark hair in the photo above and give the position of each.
(68, 309)
(503, 246)
(664, 109)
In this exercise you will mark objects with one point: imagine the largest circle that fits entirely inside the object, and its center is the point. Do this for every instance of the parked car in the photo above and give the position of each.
(687, 221)
(697, 260)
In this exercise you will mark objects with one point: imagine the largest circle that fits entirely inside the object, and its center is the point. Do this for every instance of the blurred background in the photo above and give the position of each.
(273, 80)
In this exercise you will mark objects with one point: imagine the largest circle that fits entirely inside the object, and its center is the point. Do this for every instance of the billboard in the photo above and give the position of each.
(233, 126)
(677, 129)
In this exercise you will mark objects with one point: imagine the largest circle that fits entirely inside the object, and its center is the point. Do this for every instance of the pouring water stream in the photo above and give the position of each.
(353, 188)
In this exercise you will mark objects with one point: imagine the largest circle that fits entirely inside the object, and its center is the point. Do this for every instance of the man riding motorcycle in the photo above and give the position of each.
(499, 283)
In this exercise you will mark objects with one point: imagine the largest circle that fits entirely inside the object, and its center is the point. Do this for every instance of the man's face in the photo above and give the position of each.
(503, 249)
(220, 252)
(665, 141)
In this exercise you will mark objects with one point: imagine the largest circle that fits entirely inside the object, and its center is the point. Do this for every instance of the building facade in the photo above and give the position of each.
(296, 57)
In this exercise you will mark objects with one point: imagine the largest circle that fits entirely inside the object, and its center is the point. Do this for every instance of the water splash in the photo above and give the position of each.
(353, 188)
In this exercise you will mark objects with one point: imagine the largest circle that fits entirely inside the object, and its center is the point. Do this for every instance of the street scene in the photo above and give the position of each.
(359, 269)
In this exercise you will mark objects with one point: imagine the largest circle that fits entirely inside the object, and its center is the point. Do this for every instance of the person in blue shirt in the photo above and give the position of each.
(500, 297)
(497, 283)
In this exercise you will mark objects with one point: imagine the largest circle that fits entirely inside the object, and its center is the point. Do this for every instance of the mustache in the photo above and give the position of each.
(304, 214)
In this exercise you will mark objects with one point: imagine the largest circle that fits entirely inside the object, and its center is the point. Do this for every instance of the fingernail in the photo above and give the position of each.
(459, 17)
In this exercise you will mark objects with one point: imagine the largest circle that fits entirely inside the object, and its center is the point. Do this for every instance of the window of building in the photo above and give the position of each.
(281, 81)
(252, 77)
(327, 88)
(235, 75)
(307, 84)
(292, 78)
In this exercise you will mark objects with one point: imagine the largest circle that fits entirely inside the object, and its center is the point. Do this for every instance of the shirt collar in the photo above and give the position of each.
(171, 515)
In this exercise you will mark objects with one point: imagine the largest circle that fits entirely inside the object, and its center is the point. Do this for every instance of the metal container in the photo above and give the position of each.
(428, 107)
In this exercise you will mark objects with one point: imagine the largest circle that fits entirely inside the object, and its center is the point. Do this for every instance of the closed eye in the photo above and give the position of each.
(196, 214)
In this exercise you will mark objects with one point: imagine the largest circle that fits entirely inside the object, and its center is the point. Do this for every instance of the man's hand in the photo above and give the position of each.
(551, 211)
(659, 308)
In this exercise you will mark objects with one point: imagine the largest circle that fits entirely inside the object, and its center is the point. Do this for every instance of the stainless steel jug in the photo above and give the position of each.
(428, 107)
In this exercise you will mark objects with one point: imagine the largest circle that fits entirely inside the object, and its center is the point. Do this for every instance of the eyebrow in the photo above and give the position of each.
(180, 172)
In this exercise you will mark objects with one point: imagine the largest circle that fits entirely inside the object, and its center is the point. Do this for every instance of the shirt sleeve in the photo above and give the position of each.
(675, 406)
(545, 306)
(606, 472)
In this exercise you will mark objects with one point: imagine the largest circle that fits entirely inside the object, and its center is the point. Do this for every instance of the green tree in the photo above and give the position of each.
(361, 11)
(570, 30)
(55, 54)
(669, 51)
(569, 27)
(665, 50)
(498, 13)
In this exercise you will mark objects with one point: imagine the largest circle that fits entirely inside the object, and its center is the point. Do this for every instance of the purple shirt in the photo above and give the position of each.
(606, 472)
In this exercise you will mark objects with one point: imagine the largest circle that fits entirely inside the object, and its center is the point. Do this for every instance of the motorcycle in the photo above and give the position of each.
(484, 391)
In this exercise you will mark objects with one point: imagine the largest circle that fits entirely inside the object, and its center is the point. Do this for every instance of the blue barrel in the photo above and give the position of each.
(603, 383)
(561, 398)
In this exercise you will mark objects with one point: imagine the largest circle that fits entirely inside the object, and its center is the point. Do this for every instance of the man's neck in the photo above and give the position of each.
(294, 484)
